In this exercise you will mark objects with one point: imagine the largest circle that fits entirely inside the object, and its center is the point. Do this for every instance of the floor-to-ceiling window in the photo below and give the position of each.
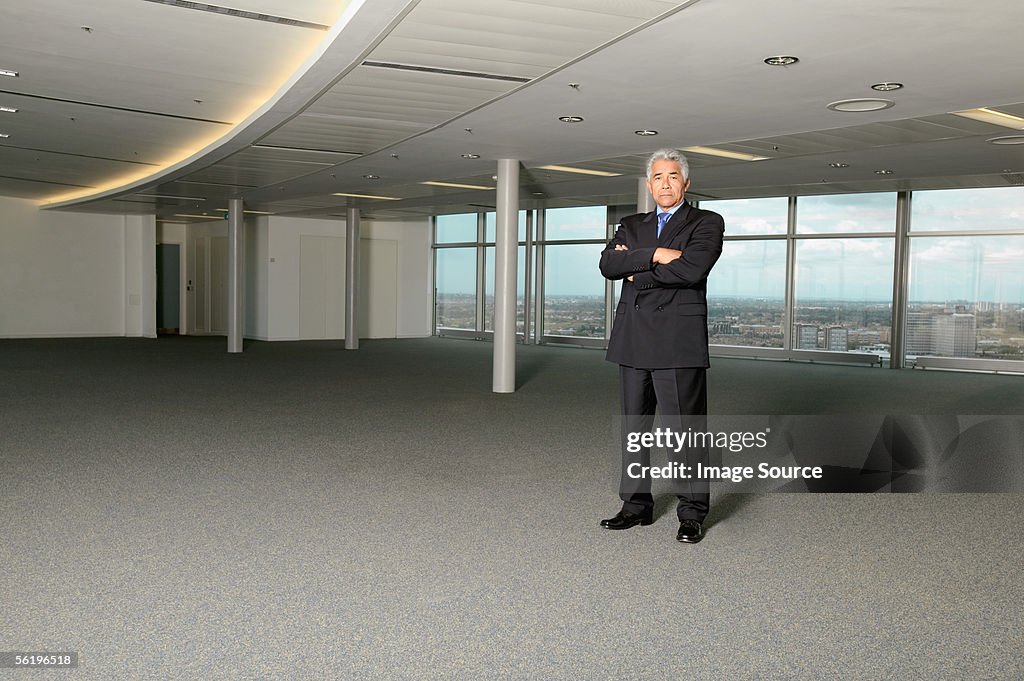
(455, 272)
(574, 289)
(966, 278)
(796, 274)
(747, 292)
(843, 272)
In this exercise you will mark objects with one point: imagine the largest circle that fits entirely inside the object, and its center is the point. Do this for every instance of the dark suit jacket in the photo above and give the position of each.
(661, 321)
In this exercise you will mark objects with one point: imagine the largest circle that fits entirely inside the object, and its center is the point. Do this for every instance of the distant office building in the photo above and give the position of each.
(837, 339)
(919, 333)
(806, 337)
(954, 335)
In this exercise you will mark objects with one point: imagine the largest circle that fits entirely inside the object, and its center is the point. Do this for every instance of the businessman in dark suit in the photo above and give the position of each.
(660, 336)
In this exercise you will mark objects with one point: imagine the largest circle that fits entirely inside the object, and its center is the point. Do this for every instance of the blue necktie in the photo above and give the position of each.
(662, 219)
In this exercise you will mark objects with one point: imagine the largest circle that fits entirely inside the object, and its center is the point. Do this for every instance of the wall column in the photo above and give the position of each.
(644, 200)
(352, 279)
(236, 274)
(506, 243)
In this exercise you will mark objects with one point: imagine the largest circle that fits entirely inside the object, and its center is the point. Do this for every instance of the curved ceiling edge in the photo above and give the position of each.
(339, 51)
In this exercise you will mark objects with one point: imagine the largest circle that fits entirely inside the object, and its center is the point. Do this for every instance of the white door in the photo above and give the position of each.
(321, 287)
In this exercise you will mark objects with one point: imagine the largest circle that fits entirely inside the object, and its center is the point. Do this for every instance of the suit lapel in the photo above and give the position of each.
(674, 225)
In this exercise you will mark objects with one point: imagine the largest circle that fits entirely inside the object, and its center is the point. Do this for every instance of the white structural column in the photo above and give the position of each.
(644, 200)
(506, 244)
(352, 279)
(236, 274)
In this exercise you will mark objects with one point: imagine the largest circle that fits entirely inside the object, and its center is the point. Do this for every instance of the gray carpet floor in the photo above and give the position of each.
(170, 511)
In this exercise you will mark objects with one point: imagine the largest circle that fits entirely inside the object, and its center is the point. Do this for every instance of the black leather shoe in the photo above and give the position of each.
(690, 532)
(624, 520)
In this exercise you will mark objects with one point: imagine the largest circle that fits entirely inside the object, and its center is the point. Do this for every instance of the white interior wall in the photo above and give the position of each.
(278, 269)
(75, 274)
(85, 274)
(415, 262)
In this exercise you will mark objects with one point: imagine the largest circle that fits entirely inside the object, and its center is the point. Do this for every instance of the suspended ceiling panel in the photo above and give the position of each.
(510, 38)
(98, 131)
(252, 167)
(405, 96)
(150, 57)
(66, 169)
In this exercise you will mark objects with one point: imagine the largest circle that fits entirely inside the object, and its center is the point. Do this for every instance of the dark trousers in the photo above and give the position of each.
(681, 398)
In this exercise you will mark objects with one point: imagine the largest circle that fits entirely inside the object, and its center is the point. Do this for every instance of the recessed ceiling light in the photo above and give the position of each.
(367, 196)
(781, 60)
(3, 135)
(887, 87)
(571, 119)
(8, 72)
(8, 109)
(838, 164)
(538, 193)
(581, 171)
(645, 133)
(204, 216)
(471, 156)
(994, 117)
(861, 105)
(885, 171)
(725, 153)
(1007, 139)
(371, 176)
(456, 185)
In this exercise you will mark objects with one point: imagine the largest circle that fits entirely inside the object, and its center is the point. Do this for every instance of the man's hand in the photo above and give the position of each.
(621, 247)
(663, 256)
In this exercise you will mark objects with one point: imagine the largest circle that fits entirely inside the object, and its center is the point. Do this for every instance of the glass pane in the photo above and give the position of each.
(845, 213)
(455, 276)
(967, 209)
(843, 295)
(966, 297)
(747, 294)
(456, 228)
(489, 287)
(573, 291)
(751, 216)
(586, 222)
(491, 225)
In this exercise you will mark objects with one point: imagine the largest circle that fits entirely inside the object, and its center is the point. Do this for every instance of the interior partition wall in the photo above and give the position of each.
(936, 275)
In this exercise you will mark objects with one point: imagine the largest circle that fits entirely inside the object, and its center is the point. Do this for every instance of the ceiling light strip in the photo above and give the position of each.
(994, 117)
(241, 14)
(446, 72)
(367, 196)
(580, 171)
(725, 153)
(456, 185)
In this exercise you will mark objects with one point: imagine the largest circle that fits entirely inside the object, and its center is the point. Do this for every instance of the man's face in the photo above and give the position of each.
(667, 184)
